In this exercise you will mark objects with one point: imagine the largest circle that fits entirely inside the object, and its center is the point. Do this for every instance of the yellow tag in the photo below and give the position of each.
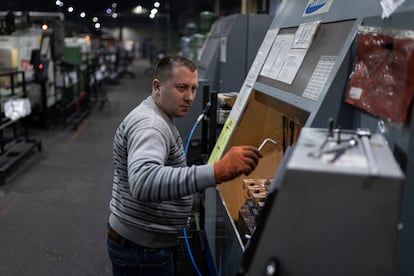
(222, 140)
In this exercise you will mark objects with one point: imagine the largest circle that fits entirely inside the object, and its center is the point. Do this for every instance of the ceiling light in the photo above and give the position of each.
(139, 10)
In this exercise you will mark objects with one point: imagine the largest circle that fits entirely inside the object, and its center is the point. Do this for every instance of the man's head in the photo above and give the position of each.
(174, 85)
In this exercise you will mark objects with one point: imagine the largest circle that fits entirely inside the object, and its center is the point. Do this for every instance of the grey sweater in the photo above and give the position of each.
(152, 185)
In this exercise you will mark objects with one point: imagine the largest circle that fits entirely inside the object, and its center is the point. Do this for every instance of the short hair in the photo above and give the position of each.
(164, 66)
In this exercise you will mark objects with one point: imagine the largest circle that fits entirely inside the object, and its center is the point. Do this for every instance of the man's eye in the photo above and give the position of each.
(181, 87)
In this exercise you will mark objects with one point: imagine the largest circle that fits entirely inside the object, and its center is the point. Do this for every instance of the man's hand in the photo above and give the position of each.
(238, 160)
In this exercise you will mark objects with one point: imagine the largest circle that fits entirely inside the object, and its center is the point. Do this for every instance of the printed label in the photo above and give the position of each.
(317, 6)
(355, 93)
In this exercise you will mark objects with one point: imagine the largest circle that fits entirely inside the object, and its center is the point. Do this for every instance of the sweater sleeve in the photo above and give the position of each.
(150, 179)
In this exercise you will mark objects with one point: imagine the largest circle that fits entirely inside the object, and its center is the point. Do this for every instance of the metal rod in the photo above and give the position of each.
(372, 162)
(365, 135)
(265, 141)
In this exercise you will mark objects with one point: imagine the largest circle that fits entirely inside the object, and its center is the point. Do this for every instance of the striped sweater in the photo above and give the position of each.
(152, 184)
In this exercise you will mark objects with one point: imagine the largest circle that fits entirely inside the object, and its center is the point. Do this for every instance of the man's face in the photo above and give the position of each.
(176, 94)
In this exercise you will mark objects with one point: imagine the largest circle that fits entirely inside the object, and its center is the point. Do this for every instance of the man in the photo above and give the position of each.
(152, 185)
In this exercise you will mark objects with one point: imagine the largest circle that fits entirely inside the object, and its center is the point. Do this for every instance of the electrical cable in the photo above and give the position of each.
(200, 117)
(187, 145)
(190, 252)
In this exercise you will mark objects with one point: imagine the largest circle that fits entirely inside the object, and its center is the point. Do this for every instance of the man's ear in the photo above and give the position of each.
(156, 86)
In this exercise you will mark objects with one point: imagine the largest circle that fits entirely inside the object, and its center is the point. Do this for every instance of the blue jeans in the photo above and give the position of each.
(129, 258)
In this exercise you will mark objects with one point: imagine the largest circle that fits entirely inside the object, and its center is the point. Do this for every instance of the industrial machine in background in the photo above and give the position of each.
(230, 48)
(46, 80)
(20, 69)
(16, 142)
(37, 42)
(225, 59)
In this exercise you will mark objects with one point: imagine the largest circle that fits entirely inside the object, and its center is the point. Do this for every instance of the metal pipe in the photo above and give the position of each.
(265, 141)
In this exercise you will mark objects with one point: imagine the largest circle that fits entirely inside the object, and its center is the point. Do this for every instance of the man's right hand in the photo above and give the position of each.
(238, 160)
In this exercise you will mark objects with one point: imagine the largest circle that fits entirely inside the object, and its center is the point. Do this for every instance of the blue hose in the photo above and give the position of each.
(190, 136)
(190, 253)
(185, 230)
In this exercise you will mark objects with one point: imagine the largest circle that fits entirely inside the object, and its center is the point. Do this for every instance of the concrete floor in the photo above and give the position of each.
(54, 206)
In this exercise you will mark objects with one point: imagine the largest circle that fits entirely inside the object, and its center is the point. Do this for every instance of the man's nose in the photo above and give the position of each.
(189, 95)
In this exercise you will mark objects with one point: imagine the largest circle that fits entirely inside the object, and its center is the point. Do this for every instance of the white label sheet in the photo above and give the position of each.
(305, 34)
(291, 65)
(261, 57)
(319, 77)
(223, 49)
(277, 56)
(247, 86)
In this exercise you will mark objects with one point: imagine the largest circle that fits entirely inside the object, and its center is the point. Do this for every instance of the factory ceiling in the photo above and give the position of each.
(93, 7)
(177, 11)
(115, 12)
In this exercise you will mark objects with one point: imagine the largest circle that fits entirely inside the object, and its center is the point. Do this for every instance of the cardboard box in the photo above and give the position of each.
(9, 59)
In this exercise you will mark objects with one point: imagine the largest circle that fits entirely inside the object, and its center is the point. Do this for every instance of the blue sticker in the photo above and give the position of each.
(312, 8)
(317, 6)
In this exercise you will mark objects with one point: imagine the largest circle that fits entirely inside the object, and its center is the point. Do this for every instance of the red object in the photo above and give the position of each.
(382, 82)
